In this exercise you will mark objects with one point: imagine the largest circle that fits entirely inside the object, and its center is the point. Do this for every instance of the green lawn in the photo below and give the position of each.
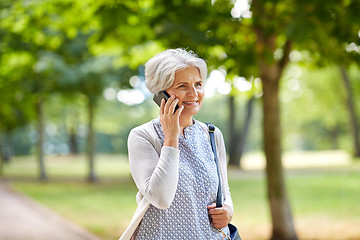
(318, 197)
(104, 209)
(108, 166)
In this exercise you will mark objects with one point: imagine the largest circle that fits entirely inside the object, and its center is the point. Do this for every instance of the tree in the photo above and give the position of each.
(14, 100)
(337, 49)
(212, 33)
(238, 136)
(337, 30)
(87, 75)
(27, 38)
(213, 25)
(269, 35)
(277, 33)
(314, 100)
(46, 31)
(350, 103)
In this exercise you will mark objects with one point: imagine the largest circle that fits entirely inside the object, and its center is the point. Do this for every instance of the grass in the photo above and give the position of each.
(322, 203)
(108, 166)
(319, 197)
(104, 209)
(335, 194)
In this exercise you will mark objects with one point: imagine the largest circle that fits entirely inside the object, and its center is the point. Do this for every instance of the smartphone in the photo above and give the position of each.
(160, 95)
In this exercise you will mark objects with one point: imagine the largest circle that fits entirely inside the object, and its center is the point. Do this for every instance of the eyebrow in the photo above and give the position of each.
(180, 83)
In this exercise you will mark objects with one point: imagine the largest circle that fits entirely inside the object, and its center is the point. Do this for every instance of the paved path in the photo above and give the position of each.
(23, 218)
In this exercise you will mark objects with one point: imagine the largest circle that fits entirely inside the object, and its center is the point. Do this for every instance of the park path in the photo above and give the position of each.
(23, 218)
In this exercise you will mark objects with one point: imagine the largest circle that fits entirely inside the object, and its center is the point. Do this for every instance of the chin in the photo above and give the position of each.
(190, 112)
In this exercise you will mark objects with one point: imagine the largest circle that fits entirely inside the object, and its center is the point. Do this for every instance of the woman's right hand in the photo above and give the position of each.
(170, 121)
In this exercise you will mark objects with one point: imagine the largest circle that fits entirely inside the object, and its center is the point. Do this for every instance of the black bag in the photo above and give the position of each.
(234, 234)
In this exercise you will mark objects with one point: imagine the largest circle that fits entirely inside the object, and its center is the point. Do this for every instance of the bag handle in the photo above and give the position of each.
(211, 129)
(233, 230)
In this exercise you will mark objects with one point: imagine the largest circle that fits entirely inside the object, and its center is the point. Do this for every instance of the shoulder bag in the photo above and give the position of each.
(234, 234)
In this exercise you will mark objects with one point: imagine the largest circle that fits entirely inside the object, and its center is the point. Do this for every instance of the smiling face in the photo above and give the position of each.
(188, 88)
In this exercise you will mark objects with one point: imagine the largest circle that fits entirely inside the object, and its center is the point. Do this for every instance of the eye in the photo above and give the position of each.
(198, 84)
(181, 86)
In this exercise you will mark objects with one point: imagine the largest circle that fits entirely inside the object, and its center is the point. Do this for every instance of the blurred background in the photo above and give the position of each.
(283, 76)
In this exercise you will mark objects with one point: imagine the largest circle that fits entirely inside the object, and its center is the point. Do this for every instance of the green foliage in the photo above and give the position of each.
(78, 49)
(220, 116)
(314, 99)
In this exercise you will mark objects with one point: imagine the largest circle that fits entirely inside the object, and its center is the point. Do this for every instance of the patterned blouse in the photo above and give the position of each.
(187, 217)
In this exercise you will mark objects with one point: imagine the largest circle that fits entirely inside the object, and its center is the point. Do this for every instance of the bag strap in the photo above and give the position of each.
(211, 129)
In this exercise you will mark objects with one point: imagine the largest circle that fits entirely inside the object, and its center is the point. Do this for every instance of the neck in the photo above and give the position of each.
(185, 122)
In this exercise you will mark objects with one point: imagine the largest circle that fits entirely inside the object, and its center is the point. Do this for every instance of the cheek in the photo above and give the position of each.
(180, 97)
(201, 95)
(177, 94)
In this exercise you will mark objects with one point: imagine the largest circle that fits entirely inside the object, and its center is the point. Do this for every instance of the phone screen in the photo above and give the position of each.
(160, 95)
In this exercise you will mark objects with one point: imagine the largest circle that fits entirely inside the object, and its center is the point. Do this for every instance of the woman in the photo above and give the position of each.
(171, 159)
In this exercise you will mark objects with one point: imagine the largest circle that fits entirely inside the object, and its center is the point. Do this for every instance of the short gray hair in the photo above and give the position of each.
(160, 69)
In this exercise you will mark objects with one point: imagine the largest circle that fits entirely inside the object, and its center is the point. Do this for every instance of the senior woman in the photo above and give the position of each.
(171, 159)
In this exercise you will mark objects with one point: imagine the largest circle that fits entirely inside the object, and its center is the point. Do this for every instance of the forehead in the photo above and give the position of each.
(190, 73)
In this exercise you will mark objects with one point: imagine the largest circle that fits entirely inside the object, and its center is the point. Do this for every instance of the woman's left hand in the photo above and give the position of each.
(220, 217)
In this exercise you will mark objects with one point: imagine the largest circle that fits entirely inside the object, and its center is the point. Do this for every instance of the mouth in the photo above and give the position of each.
(190, 102)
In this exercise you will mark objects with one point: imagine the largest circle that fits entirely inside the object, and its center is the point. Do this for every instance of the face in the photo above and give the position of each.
(188, 88)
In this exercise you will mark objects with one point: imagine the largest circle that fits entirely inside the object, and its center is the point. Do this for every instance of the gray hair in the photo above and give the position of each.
(160, 69)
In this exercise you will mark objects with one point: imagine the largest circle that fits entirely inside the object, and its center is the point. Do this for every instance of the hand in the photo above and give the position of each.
(220, 217)
(170, 121)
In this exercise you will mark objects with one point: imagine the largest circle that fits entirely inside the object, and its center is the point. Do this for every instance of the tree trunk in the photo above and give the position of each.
(270, 73)
(41, 139)
(1, 155)
(238, 137)
(283, 227)
(233, 158)
(71, 127)
(333, 137)
(72, 141)
(10, 145)
(91, 141)
(245, 130)
(7, 147)
(352, 112)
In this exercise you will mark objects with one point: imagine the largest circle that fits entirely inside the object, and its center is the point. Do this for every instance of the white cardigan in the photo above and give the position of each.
(155, 170)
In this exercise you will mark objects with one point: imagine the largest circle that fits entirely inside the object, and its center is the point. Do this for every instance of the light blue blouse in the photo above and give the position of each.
(187, 217)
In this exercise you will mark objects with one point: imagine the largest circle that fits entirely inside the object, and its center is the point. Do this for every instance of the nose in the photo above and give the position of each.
(192, 91)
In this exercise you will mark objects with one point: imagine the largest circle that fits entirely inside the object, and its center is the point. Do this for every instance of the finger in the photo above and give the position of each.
(216, 211)
(218, 217)
(168, 104)
(219, 225)
(211, 206)
(162, 105)
(222, 221)
(173, 104)
(179, 111)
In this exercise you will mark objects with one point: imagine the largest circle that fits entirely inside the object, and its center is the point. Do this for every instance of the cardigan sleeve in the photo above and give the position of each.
(155, 174)
(223, 167)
